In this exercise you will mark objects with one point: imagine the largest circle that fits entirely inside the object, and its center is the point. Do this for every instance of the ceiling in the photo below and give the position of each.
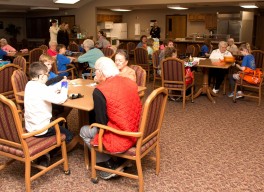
(25, 5)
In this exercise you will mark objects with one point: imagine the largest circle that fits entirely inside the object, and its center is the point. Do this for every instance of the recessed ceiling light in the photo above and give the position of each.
(248, 5)
(178, 7)
(66, 1)
(120, 9)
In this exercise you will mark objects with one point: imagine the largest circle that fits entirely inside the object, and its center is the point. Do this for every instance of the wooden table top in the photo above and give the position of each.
(213, 63)
(18, 53)
(85, 87)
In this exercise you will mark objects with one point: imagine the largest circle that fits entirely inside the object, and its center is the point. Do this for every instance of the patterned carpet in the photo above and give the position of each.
(205, 148)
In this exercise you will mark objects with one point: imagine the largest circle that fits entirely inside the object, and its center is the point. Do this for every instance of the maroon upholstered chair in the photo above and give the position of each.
(108, 52)
(156, 67)
(16, 144)
(130, 49)
(6, 88)
(140, 77)
(259, 58)
(190, 50)
(34, 55)
(148, 138)
(21, 62)
(141, 59)
(74, 47)
(173, 78)
(19, 80)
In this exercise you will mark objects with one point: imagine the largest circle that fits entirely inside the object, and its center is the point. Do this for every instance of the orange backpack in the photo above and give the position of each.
(251, 76)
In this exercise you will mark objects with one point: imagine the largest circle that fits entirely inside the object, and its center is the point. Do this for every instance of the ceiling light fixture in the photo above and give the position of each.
(177, 7)
(120, 9)
(66, 1)
(44, 8)
(248, 5)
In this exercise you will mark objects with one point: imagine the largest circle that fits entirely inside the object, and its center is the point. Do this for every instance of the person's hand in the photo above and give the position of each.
(234, 64)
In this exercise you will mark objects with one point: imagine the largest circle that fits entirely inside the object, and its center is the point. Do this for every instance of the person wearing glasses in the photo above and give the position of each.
(38, 99)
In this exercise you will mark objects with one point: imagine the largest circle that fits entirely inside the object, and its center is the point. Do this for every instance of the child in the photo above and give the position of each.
(57, 110)
(37, 102)
(248, 61)
(62, 60)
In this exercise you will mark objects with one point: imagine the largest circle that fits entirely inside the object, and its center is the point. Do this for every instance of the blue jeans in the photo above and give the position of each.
(52, 132)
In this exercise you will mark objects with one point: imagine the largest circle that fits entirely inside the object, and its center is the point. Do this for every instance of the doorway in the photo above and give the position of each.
(176, 26)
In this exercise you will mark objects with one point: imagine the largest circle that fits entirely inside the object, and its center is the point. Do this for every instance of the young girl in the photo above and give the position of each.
(248, 61)
(62, 60)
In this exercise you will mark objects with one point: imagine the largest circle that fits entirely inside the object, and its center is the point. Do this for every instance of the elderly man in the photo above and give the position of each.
(92, 53)
(116, 105)
(52, 51)
(219, 74)
(231, 46)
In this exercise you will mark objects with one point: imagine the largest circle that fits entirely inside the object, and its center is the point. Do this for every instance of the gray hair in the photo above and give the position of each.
(53, 43)
(222, 43)
(4, 41)
(88, 43)
(107, 67)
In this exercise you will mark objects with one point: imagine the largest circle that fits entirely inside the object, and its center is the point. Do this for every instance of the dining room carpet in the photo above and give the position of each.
(205, 148)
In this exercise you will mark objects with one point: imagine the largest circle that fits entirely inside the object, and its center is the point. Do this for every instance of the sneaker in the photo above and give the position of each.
(171, 98)
(239, 94)
(231, 94)
(110, 164)
(215, 90)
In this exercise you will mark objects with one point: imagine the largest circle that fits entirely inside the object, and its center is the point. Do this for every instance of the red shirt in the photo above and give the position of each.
(51, 52)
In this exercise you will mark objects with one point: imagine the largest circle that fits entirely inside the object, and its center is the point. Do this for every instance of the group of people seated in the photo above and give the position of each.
(5, 48)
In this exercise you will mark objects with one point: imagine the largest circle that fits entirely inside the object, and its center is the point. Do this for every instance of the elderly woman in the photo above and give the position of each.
(116, 105)
(121, 60)
(102, 41)
(219, 74)
(6, 47)
(231, 46)
(52, 51)
(92, 53)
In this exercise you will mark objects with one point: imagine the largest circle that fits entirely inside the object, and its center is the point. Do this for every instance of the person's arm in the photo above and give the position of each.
(100, 107)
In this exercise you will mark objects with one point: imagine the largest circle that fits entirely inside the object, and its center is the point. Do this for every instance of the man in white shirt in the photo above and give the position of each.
(53, 30)
(219, 74)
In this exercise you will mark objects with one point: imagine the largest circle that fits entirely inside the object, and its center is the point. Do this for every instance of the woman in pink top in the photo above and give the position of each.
(52, 49)
(6, 47)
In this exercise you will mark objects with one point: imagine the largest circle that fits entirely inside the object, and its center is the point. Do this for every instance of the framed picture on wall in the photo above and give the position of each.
(1, 25)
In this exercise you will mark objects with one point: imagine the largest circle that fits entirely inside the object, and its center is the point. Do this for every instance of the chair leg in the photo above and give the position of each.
(27, 175)
(154, 81)
(93, 163)
(184, 98)
(157, 158)
(140, 174)
(64, 156)
(86, 156)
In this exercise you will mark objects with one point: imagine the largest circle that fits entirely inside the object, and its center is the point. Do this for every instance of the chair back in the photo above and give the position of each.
(10, 122)
(74, 47)
(190, 50)
(172, 73)
(130, 47)
(155, 59)
(108, 52)
(152, 114)
(259, 58)
(21, 62)
(19, 80)
(141, 75)
(44, 48)
(6, 88)
(197, 50)
(140, 56)
(34, 55)
(121, 46)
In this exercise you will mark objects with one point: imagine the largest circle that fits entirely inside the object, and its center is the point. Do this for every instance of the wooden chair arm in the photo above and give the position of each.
(104, 127)
(53, 123)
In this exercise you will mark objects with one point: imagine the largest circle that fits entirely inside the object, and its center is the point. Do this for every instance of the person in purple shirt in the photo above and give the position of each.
(62, 60)
(248, 61)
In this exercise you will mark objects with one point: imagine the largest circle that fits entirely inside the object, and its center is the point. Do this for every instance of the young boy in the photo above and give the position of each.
(57, 110)
(62, 60)
(37, 102)
(248, 61)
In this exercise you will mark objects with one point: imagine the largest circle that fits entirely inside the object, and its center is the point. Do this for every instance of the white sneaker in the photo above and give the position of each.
(215, 90)
(239, 94)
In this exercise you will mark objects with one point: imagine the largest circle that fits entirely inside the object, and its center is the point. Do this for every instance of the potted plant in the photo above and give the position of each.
(12, 30)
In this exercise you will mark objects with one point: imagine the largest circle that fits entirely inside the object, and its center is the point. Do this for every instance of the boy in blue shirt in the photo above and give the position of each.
(2, 54)
(62, 60)
(248, 61)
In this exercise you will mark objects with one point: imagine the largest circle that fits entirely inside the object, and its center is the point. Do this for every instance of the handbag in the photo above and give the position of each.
(251, 76)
